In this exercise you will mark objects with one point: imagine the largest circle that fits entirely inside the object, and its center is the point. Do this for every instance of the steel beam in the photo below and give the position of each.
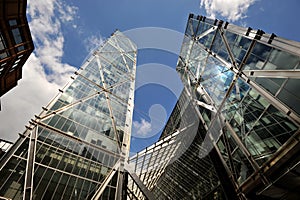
(28, 185)
(104, 184)
(212, 29)
(295, 74)
(209, 107)
(140, 184)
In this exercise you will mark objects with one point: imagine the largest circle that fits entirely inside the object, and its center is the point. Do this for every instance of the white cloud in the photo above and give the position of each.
(233, 10)
(145, 129)
(243, 24)
(141, 128)
(45, 26)
(261, 9)
(67, 12)
(24, 101)
(43, 72)
(93, 42)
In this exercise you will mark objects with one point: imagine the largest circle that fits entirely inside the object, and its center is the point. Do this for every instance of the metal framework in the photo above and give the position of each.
(234, 132)
(242, 85)
(171, 168)
(76, 147)
(246, 79)
(4, 147)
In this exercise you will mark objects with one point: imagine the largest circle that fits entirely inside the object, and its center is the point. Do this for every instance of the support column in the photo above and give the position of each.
(28, 186)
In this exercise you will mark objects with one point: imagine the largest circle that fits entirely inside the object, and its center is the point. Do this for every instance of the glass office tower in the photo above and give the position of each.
(242, 86)
(245, 84)
(76, 147)
(172, 168)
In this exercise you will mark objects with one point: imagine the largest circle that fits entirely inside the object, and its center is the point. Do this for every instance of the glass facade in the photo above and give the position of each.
(241, 97)
(172, 168)
(233, 134)
(76, 147)
(245, 83)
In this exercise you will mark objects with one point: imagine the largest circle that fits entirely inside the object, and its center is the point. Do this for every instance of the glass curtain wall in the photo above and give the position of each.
(75, 148)
(173, 167)
(245, 85)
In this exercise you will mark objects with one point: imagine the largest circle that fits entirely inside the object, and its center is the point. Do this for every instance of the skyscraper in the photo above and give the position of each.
(250, 79)
(172, 168)
(234, 132)
(242, 85)
(76, 147)
(15, 42)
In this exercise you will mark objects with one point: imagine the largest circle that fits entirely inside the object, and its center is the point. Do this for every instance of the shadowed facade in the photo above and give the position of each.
(15, 42)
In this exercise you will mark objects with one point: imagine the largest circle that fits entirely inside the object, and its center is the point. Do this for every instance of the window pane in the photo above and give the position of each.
(280, 58)
(290, 96)
(21, 48)
(3, 55)
(12, 22)
(17, 35)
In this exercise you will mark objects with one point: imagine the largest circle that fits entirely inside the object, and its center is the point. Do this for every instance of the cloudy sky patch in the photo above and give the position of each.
(142, 128)
(232, 10)
(44, 72)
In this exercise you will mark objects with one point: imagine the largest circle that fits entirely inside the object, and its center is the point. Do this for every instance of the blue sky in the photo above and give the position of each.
(64, 32)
